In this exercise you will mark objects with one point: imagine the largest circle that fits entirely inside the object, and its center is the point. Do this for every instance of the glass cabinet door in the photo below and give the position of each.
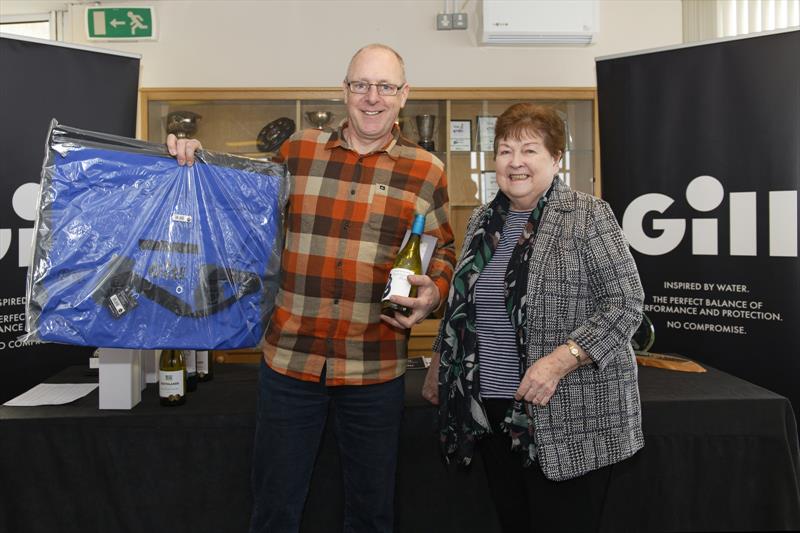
(425, 122)
(322, 114)
(229, 126)
(471, 170)
(478, 163)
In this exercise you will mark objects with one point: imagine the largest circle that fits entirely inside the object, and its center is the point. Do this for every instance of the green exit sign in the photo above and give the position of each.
(120, 23)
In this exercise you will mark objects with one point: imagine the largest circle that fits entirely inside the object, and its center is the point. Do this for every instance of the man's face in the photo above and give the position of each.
(371, 116)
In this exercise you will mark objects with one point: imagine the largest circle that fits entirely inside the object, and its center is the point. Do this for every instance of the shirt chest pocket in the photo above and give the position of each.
(390, 211)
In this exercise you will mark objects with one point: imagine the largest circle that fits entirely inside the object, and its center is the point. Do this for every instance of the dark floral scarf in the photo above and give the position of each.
(462, 417)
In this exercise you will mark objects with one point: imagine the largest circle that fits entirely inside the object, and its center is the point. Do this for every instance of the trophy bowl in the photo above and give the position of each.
(644, 336)
(319, 119)
(182, 123)
(425, 127)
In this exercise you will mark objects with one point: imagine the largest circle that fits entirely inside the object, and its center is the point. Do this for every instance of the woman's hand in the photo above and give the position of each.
(183, 149)
(541, 379)
(430, 388)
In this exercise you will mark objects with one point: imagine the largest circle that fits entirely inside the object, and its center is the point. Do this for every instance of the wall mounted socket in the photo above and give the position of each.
(444, 21)
(459, 21)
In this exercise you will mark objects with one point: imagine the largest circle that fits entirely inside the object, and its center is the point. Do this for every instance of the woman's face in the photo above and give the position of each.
(525, 169)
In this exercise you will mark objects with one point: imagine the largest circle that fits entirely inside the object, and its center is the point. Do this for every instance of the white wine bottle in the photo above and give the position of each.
(408, 262)
(205, 366)
(190, 358)
(172, 378)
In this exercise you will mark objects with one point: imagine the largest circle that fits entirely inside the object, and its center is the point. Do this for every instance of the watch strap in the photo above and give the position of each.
(574, 350)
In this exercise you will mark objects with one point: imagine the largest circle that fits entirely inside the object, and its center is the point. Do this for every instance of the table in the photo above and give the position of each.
(720, 454)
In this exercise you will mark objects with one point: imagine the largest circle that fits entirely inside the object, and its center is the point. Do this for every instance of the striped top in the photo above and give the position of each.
(499, 362)
(346, 218)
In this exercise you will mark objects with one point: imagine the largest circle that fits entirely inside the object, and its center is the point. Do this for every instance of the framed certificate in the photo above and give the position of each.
(486, 133)
(489, 186)
(460, 135)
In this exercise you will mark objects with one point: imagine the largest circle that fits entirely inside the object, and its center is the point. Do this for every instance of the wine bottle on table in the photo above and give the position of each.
(172, 378)
(190, 356)
(205, 366)
(408, 262)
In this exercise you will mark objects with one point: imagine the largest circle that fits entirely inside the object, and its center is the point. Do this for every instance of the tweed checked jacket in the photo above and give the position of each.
(582, 285)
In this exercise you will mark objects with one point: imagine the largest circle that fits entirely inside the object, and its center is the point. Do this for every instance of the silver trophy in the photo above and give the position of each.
(425, 127)
(319, 119)
(182, 123)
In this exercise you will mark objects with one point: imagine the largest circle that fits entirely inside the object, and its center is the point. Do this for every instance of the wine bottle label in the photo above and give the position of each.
(191, 361)
(170, 383)
(202, 362)
(398, 284)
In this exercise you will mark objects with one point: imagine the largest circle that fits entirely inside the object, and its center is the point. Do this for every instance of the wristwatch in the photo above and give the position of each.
(574, 350)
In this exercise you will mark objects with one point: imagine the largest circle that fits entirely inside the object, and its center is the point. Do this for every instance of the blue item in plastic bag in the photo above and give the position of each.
(134, 251)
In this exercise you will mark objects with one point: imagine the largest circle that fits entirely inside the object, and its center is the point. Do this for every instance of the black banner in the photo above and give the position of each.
(41, 80)
(701, 163)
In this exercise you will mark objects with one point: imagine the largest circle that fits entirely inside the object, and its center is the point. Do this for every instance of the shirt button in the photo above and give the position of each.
(336, 301)
(352, 191)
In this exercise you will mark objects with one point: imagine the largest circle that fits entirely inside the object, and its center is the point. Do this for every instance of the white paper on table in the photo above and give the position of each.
(52, 394)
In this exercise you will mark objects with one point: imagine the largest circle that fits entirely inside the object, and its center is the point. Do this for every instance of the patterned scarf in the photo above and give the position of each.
(462, 417)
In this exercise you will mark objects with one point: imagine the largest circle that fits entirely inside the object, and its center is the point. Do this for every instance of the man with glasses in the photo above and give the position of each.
(354, 193)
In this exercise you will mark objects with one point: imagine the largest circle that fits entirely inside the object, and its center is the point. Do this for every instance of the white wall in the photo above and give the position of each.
(307, 43)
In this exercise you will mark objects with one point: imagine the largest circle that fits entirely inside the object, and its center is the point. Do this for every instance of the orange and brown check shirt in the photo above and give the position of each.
(345, 221)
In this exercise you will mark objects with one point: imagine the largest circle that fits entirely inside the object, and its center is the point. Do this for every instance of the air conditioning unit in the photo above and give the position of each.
(538, 22)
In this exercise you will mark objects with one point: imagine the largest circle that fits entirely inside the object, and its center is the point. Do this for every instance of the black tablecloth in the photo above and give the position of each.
(720, 454)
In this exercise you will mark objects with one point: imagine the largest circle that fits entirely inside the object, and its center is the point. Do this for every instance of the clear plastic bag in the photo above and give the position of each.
(134, 251)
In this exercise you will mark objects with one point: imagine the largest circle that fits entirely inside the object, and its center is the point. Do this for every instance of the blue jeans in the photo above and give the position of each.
(290, 420)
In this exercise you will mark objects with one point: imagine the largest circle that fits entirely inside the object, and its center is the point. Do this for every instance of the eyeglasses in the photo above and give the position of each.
(384, 89)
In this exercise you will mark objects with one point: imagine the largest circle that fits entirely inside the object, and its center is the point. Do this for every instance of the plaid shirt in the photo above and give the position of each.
(346, 219)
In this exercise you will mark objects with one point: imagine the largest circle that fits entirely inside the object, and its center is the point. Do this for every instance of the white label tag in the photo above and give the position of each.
(202, 361)
(181, 218)
(170, 383)
(191, 361)
(398, 284)
(114, 299)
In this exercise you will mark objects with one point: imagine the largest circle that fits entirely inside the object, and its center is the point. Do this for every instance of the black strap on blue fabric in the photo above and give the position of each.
(122, 285)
